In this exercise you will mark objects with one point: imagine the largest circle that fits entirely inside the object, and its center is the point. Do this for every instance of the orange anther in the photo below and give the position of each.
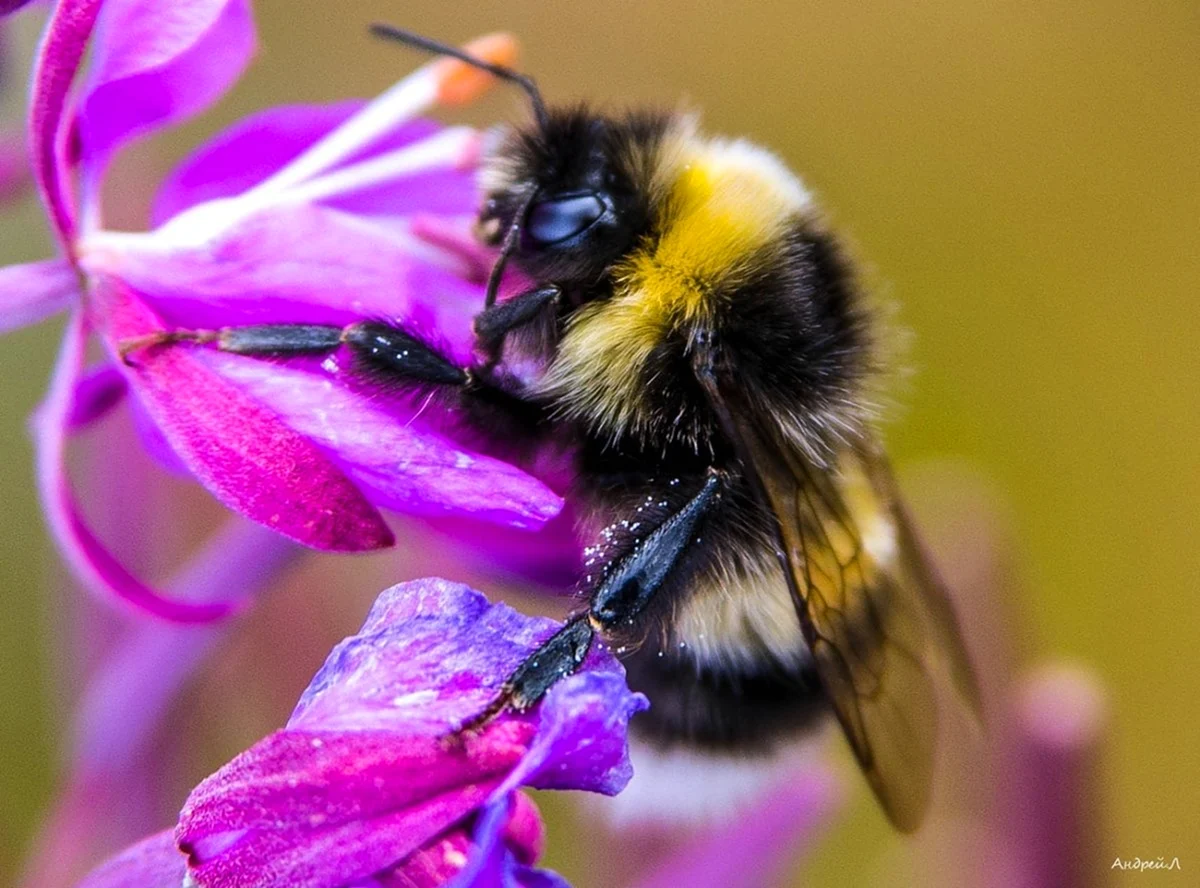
(459, 83)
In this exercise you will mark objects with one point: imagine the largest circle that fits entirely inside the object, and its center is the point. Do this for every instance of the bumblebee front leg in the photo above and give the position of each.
(622, 595)
(380, 349)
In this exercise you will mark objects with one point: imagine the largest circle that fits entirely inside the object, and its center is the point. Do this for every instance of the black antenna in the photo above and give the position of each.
(436, 47)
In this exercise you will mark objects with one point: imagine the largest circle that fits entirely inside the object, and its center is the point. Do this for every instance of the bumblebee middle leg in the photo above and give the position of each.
(624, 591)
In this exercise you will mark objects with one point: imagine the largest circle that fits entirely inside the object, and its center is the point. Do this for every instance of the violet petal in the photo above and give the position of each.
(157, 63)
(244, 454)
(433, 653)
(154, 862)
(58, 59)
(92, 563)
(34, 291)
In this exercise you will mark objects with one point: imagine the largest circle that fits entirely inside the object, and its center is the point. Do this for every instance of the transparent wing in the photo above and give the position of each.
(877, 619)
(873, 612)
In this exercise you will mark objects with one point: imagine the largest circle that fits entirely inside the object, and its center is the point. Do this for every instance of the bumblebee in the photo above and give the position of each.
(707, 357)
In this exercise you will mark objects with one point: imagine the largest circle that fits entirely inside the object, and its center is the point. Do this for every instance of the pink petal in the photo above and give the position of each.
(295, 264)
(154, 862)
(244, 454)
(400, 463)
(257, 146)
(89, 559)
(58, 60)
(34, 291)
(316, 809)
(157, 63)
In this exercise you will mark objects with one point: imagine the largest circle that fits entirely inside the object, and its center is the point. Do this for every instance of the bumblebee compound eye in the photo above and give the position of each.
(562, 218)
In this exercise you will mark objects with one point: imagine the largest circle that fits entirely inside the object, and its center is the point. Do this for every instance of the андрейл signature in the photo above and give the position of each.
(1136, 863)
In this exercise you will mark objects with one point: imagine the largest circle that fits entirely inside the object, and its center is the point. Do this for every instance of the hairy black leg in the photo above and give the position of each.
(624, 591)
(495, 322)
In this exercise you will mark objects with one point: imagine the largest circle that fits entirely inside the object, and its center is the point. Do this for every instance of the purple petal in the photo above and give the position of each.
(254, 148)
(58, 60)
(91, 562)
(1061, 713)
(157, 63)
(581, 740)
(238, 449)
(400, 464)
(34, 291)
(99, 390)
(504, 848)
(756, 847)
(154, 442)
(429, 867)
(154, 862)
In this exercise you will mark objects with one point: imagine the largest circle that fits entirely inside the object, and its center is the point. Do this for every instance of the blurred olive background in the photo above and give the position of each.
(1021, 179)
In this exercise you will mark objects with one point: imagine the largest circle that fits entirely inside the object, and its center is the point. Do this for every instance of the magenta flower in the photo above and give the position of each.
(299, 214)
(362, 787)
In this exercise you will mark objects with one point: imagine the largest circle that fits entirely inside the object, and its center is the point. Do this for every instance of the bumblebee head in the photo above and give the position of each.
(566, 195)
